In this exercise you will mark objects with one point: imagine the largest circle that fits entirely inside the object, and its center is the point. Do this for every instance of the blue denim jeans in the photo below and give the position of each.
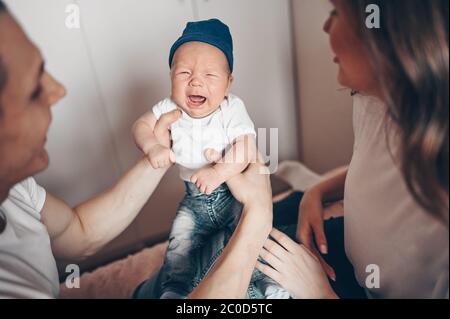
(285, 218)
(199, 217)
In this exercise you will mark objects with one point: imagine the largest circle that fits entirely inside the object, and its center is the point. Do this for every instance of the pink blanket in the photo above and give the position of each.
(118, 279)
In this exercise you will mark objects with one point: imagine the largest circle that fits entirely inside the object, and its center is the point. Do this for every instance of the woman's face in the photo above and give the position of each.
(355, 71)
(25, 101)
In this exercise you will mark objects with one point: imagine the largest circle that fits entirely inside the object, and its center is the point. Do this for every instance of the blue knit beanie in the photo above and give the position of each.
(213, 32)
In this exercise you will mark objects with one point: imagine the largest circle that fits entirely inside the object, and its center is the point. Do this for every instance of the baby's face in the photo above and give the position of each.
(200, 78)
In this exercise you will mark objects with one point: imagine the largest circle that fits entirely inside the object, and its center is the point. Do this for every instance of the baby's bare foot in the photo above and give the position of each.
(207, 180)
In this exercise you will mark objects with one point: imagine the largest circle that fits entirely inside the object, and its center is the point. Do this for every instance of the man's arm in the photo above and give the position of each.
(231, 274)
(79, 232)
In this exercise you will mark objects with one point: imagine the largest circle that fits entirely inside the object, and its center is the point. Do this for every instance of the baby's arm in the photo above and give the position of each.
(160, 156)
(242, 152)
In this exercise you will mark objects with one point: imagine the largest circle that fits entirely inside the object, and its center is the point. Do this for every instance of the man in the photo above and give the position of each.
(36, 227)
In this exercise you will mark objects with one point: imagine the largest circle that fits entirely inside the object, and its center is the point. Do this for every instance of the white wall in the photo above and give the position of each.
(326, 133)
(116, 67)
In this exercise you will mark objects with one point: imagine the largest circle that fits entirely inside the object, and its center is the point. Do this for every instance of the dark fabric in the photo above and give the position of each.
(213, 32)
(286, 218)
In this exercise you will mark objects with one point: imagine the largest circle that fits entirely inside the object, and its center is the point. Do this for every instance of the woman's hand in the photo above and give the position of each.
(311, 219)
(295, 268)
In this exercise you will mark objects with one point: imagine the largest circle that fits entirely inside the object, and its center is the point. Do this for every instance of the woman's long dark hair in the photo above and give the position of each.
(409, 53)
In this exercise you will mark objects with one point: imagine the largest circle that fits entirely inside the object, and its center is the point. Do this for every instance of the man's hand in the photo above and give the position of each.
(159, 154)
(162, 131)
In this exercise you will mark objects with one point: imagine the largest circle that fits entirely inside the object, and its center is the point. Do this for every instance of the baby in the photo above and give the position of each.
(212, 141)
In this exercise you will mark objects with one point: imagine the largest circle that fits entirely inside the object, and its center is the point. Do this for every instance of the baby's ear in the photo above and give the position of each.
(230, 81)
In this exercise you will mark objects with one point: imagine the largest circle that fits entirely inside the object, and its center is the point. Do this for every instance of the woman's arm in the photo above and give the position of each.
(311, 212)
(230, 276)
(331, 188)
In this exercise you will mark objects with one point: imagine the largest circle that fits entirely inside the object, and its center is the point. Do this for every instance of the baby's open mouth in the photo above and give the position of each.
(196, 100)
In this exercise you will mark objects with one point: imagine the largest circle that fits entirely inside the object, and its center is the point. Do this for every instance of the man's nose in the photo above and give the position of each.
(327, 25)
(55, 90)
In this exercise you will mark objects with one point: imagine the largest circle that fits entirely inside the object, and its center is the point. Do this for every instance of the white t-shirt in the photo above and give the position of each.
(191, 137)
(386, 231)
(27, 265)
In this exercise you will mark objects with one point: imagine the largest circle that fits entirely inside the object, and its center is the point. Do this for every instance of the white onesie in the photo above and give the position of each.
(191, 136)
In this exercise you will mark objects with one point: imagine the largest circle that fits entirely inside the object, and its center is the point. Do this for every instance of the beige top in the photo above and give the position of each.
(386, 231)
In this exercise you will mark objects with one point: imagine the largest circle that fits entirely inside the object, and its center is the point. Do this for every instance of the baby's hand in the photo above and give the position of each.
(160, 156)
(207, 180)
(212, 155)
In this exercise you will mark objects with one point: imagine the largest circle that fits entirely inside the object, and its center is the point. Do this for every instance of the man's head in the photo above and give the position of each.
(201, 62)
(26, 93)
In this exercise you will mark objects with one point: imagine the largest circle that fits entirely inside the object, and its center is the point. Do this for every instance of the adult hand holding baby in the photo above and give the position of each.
(161, 131)
(156, 142)
(252, 188)
(160, 156)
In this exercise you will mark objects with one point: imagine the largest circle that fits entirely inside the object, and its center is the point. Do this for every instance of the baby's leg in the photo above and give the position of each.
(189, 232)
(177, 262)
(271, 289)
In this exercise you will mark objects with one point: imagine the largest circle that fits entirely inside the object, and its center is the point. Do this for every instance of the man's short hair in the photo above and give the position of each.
(2, 66)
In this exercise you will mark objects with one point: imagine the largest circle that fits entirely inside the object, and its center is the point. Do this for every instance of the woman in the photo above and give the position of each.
(395, 190)
(36, 227)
